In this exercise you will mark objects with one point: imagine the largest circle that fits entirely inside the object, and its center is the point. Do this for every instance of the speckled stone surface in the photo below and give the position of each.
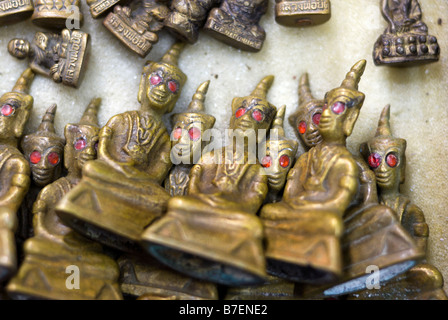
(418, 95)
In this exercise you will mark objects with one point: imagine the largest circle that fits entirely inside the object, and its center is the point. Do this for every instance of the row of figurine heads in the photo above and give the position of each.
(315, 121)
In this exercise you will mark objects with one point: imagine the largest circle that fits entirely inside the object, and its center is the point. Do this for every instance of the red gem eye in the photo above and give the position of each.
(194, 133)
(316, 118)
(53, 158)
(155, 79)
(7, 110)
(266, 161)
(374, 160)
(80, 144)
(391, 160)
(284, 161)
(257, 115)
(240, 112)
(177, 133)
(302, 127)
(35, 157)
(172, 86)
(338, 107)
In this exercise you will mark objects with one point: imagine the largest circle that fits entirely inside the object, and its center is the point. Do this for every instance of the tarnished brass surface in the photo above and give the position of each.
(100, 7)
(14, 168)
(60, 57)
(136, 26)
(236, 22)
(120, 194)
(301, 13)
(385, 155)
(12, 11)
(303, 231)
(55, 13)
(406, 40)
(279, 158)
(55, 246)
(186, 141)
(213, 233)
(187, 17)
(147, 279)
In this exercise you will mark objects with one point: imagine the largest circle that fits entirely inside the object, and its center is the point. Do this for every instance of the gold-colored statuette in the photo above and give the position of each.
(406, 40)
(213, 233)
(305, 120)
(57, 13)
(99, 8)
(56, 251)
(136, 26)
(304, 230)
(120, 194)
(236, 22)
(187, 17)
(279, 158)
(44, 151)
(186, 141)
(146, 278)
(60, 57)
(385, 155)
(299, 13)
(15, 109)
(12, 11)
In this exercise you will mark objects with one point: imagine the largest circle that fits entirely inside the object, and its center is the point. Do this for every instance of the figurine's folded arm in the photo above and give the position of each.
(256, 193)
(18, 183)
(161, 164)
(386, 14)
(195, 177)
(37, 68)
(414, 221)
(293, 186)
(367, 182)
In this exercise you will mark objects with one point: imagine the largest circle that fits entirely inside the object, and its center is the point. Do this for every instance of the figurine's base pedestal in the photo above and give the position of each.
(101, 7)
(145, 276)
(44, 274)
(302, 13)
(57, 19)
(232, 35)
(15, 10)
(221, 247)
(127, 35)
(77, 58)
(405, 50)
(306, 257)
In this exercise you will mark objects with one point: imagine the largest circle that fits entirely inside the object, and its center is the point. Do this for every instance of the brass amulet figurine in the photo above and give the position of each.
(12, 11)
(187, 17)
(301, 13)
(186, 141)
(385, 155)
(56, 13)
(304, 230)
(54, 246)
(213, 233)
(15, 109)
(406, 40)
(60, 57)
(44, 151)
(236, 22)
(120, 193)
(136, 26)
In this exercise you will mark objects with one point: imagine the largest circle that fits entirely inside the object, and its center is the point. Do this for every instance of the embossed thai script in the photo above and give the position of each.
(13, 4)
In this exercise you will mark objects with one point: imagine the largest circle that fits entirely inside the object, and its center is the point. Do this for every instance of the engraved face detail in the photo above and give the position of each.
(81, 146)
(277, 162)
(19, 48)
(252, 113)
(186, 142)
(385, 161)
(14, 107)
(163, 87)
(45, 157)
(307, 123)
